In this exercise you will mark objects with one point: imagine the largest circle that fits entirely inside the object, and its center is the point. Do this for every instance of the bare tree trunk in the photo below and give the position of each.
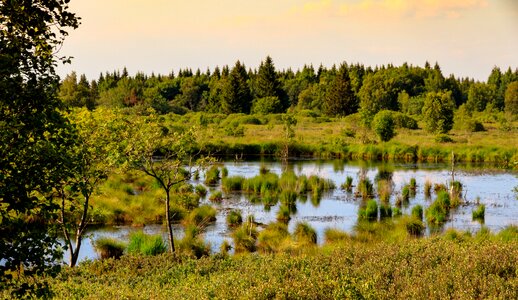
(79, 233)
(168, 220)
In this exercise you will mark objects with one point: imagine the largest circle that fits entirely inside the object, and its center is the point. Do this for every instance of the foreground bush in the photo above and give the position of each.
(427, 268)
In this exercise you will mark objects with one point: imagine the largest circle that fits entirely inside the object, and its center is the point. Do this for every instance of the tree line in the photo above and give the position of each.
(337, 91)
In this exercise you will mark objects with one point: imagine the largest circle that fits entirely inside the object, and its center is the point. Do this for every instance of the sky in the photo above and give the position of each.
(466, 37)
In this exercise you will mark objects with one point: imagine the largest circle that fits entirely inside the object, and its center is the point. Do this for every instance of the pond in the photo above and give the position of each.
(339, 209)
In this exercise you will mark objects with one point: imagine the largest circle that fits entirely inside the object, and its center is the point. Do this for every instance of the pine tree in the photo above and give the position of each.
(235, 97)
(340, 99)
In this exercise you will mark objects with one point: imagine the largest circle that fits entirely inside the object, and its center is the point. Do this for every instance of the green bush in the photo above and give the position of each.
(383, 125)
(267, 105)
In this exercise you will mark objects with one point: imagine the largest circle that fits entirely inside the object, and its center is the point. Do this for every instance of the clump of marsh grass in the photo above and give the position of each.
(144, 244)
(428, 189)
(109, 248)
(212, 175)
(396, 212)
(304, 233)
(384, 190)
(284, 214)
(364, 188)
(413, 226)
(479, 213)
(348, 184)
(217, 196)
(370, 211)
(272, 238)
(224, 172)
(438, 211)
(245, 237)
(234, 183)
(417, 212)
(234, 218)
(225, 248)
(385, 211)
(332, 235)
(192, 245)
(201, 216)
(200, 190)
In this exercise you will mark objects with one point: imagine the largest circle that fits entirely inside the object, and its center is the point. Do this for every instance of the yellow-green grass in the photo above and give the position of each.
(456, 265)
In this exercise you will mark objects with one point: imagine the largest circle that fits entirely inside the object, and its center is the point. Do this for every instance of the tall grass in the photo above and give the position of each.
(212, 175)
(273, 238)
(437, 213)
(201, 216)
(364, 188)
(370, 211)
(479, 213)
(234, 218)
(304, 233)
(109, 248)
(144, 244)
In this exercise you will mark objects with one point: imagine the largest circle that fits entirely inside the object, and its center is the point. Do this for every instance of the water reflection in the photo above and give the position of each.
(339, 208)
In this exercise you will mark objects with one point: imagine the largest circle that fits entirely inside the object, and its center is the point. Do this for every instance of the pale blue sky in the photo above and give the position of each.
(466, 37)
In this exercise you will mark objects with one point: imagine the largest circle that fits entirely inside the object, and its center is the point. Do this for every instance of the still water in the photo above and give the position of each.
(339, 209)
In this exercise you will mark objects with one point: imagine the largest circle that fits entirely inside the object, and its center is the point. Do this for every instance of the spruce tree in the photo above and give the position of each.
(235, 97)
(340, 99)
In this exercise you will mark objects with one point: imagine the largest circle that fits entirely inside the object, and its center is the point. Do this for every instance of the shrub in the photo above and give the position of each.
(383, 125)
(479, 213)
(234, 218)
(443, 138)
(267, 105)
(402, 120)
(144, 244)
(305, 233)
(396, 212)
(109, 248)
